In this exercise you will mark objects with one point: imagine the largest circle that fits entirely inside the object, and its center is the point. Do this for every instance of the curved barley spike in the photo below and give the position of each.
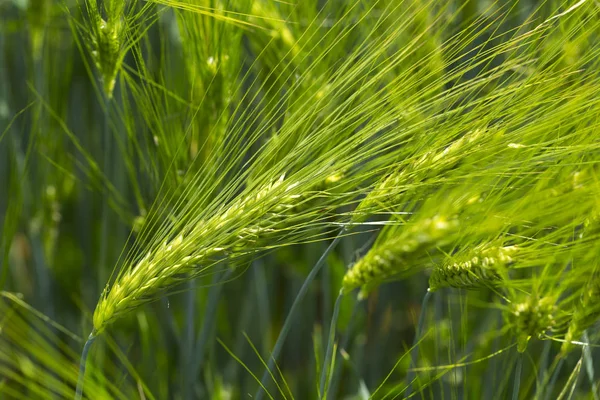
(270, 209)
(481, 267)
(399, 254)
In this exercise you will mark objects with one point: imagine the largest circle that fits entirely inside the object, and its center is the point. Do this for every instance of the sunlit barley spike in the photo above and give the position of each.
(481, 267)
(532, 317)
(398, 254)
(269, 209)
(428, 165)
(585, 314)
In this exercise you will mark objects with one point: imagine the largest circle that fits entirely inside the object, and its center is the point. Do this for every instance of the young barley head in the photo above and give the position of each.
(243, 227)
(481, 267)
(426, 166)
(106, 54)
(107, 38)
(401, 253)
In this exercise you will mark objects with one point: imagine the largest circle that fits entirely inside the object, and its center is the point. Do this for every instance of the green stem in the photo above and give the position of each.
(329, 352)
(82, 363)
(553, 379)
(344, 344)
(589, 366)
(187, 349)
(517, 383)
(543, 363)
(105, 212)
(414, 352)
(288, 320)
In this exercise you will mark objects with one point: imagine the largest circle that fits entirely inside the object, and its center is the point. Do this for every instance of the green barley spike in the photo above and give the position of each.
(430, 164)
(269, 208)
(482, 267)
(399, 254)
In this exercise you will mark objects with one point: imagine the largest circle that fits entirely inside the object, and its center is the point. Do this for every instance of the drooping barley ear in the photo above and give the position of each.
(483, 266)
(268, 210)
(400, 254)
(586, 313)
(532, 317)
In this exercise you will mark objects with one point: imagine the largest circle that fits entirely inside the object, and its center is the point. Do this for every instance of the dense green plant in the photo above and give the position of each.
(253, 197)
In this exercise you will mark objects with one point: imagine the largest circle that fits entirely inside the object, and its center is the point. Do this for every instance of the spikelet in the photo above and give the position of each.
(482, 267)
(399, 254)
(264, 213)
(532, 317)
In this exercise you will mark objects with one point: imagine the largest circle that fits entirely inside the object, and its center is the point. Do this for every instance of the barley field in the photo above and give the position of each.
(299, 199)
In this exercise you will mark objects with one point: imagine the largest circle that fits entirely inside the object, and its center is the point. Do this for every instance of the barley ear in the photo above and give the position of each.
(271, 208)
(424, 167)
(400, 254)
(481, 267)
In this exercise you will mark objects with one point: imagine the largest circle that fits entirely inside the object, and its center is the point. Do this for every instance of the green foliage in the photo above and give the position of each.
(172, 171)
